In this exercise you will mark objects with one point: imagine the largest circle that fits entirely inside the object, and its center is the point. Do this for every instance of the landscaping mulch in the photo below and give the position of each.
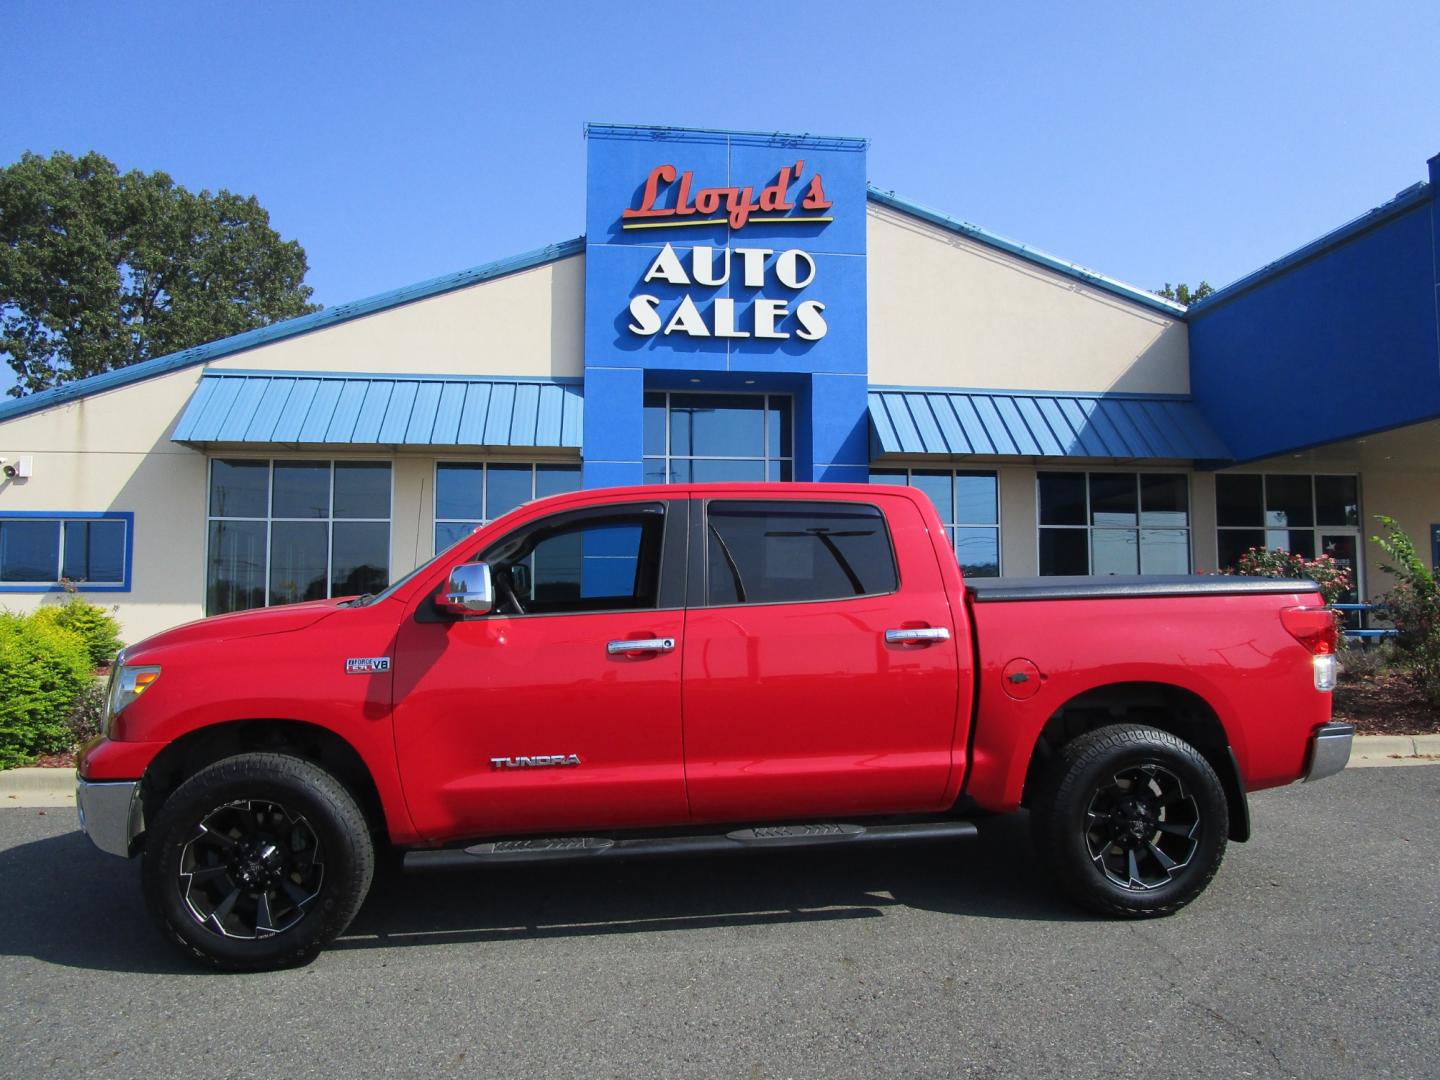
(55, 761)
(1387, 703)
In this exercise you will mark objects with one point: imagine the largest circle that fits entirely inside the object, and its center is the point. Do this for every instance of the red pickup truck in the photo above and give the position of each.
(698, 668)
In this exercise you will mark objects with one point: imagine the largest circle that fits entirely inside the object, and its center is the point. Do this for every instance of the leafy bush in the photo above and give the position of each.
(1362, 661)
(1334, 580)
(95, 625)
(1413, 606)
(87, 712)
(43, 668)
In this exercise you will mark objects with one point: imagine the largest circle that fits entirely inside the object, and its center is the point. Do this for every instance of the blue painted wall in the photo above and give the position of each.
(826, 376)
(1334, 342)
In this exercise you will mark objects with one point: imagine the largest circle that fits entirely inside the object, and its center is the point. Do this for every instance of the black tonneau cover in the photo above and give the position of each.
(996, 590)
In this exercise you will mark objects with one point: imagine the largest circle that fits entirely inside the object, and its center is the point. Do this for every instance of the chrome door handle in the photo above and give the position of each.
(924, 633)
(654, 644)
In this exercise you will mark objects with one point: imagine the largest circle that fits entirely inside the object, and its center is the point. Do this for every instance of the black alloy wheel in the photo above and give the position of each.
(1141, 827)
(257, 862)
(1132, 820)
(252, 869)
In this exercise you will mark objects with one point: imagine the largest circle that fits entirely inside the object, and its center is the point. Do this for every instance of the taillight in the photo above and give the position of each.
(1317, 630)
(1313, 627)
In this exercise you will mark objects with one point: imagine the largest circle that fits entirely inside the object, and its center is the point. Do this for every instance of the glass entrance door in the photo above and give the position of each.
(700, 437)
(1342, 548)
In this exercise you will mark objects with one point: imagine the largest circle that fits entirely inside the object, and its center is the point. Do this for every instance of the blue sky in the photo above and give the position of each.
(397, 142)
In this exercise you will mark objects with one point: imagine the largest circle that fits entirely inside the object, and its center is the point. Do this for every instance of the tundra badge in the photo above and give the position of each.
(366, 665)
(537, 761)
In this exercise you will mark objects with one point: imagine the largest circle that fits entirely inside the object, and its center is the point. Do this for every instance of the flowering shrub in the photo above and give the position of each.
(1334, 580)
(1413, 606)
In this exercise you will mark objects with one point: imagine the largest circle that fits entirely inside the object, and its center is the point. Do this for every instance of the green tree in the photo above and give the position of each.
(100, 269)
(1412, 605)
(1183, 294)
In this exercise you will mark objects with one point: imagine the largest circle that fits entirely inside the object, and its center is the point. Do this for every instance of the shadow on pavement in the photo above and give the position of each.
(993, 876)
(64, 903)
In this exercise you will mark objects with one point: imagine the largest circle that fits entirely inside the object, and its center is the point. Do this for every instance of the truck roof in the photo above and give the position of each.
(770, 489)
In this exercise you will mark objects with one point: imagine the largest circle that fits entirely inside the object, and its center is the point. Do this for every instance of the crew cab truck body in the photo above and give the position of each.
(709, 667)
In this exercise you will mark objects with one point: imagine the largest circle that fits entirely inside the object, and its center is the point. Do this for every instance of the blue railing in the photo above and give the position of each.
(1364, 633)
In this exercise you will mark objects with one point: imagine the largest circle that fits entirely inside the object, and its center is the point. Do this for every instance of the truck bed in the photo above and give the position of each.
(995, 590)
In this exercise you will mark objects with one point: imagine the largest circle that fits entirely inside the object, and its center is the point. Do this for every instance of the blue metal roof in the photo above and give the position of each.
(1128, 427)
(339, 409)
(264, 335)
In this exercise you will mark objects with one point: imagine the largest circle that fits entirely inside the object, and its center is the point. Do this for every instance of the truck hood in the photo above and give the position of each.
(258, 622)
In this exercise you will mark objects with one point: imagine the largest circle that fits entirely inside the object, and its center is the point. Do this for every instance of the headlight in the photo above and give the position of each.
(127, 684)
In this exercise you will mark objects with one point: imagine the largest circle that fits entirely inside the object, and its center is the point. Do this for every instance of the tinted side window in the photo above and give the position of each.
(779, 552)
(594, 562)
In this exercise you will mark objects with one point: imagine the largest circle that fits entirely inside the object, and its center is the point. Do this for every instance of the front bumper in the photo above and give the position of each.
(1329, 750)
(111, 813)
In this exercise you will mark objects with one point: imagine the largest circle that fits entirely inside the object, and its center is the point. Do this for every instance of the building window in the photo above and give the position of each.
(469, 494)
(1114, 523)
(1308, 515)
(44, 552)
(695, 438)
(285, 531)
(969, 507)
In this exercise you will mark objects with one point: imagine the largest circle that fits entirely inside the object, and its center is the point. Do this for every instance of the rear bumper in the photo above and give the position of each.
(111, 814)
(1329, 750)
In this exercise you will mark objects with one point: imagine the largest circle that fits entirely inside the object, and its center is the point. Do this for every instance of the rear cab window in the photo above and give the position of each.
(793, 551)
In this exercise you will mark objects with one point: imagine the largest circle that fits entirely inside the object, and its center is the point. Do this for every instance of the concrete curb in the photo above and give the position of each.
(37, 787)
(1373, 750)
(56, 787)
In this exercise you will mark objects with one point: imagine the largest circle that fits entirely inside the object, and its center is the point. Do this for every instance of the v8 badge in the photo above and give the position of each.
(366, 665)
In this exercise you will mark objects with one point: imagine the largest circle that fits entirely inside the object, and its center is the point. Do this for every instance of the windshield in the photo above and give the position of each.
(389, 591)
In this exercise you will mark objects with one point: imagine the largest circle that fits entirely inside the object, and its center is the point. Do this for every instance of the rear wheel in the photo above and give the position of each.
(1132, 820)
(257, 862)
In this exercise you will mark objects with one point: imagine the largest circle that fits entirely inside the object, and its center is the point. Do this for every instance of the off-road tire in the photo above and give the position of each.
(306, 791)
(1068, 829)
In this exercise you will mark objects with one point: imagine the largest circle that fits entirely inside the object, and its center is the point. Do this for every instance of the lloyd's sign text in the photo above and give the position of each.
(709, 267)
(739, 203)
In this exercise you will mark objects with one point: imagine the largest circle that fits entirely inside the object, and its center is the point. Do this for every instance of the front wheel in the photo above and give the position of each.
(1132, 820)
(257, 862)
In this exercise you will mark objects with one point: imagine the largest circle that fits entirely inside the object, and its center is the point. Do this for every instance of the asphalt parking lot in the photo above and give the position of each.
(1315, 953)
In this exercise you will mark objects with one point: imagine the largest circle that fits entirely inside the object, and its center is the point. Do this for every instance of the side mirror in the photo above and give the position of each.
(469, 591)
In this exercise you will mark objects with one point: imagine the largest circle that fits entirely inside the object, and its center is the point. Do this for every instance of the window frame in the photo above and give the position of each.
(668, 574)
(699, 590)
(269, 519)
(951, 526)
(1315, 529)
(1089, 528)
(787, 455)
(436, 521)
(127, 517)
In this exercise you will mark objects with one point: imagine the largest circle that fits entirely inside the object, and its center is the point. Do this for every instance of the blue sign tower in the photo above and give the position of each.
(731, 262)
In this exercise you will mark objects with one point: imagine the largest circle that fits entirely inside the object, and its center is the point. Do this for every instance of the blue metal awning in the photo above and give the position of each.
(268, 407)
(996, 423)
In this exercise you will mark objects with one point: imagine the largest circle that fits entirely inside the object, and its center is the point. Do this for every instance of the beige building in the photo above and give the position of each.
(1063, 421)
